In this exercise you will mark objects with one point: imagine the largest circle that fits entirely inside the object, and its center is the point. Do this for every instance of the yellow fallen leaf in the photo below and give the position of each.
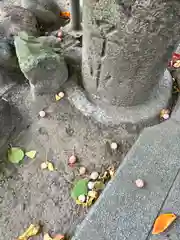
(50, 166)
(47, 237)
(31, 231)
(57, 97)
(163, 222)
(90, 201)
(111, 171)
(31, 154)
(177, 64)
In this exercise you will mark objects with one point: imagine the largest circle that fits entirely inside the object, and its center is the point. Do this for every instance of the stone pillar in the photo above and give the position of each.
(75, 15)
(126, 48)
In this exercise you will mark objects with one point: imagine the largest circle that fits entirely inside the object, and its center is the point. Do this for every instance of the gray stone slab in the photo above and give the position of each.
(176, 112)
(171, 205)
(125, 212)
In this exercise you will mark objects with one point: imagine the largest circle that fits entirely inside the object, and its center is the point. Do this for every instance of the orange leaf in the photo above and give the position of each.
(65, 14)
(163, 222)
(59, 237)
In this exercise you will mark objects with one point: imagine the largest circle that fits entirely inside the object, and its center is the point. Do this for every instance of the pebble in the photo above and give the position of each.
(91, 185)
(94, 175)
(72, 159)
(82, 198)
(61, 94)
(139, 183)
(82, 170)
(114, 146)
(42, 114)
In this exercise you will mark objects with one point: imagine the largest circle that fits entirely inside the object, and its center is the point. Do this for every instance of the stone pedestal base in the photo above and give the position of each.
(131, 119)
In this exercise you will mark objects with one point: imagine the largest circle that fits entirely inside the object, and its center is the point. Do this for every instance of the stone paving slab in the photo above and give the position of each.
(171, 205)
(125, 212)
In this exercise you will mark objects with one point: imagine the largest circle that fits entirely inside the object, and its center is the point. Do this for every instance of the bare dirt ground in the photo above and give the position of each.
(29, 194)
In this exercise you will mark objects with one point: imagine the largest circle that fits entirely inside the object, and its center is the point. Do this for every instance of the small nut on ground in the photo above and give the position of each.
(82, 170)
(61, 94)
(94, 175)
(139, 183)
(44, 165)
(72, 159)
(91, 185)
(82, 198)
(42, 114)
(114, 145)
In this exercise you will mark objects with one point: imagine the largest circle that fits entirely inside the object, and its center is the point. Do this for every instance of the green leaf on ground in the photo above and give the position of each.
(31, 154)
(15, 154)
(99, 185)
(80, 188)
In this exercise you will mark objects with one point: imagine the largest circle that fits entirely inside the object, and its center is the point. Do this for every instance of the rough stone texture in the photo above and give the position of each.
(130, 119)
(8, 57)
(15, 19)
(9, 118)
(41, 62)
(124, 211)
(47, 12)
(9, 78)
(126, 48)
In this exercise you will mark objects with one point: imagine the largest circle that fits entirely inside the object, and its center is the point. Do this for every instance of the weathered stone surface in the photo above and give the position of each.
(8, 57)
(133, 41)
(41, 62)
(130, 119)
(15, 19)
(9, 117)
(124, 211)
(9, 78)
(46, 12)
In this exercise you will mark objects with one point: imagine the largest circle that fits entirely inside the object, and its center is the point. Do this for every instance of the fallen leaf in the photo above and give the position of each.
(15, 154)
(177, 64)
(50, 166)
(59, 237)
(80, 188)
(47, 237)
(111, 171)
(57, 97)
(65, 14)
(163, 222)
(31, 154)
(90, 201)
(105, 177)
(30, 232)
(99, 185)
